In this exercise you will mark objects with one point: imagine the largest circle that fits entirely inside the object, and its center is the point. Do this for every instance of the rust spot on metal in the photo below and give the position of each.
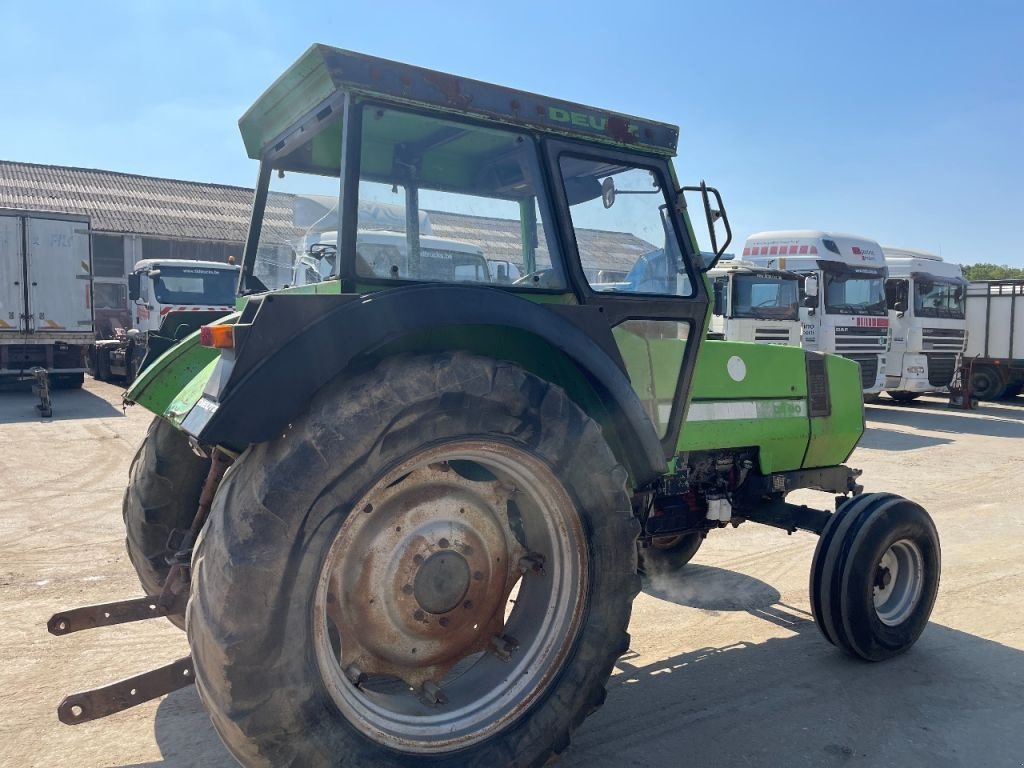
(618, 129)
(450, 88)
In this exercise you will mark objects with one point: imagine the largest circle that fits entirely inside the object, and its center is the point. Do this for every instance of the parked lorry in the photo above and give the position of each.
(46, 318)
(844, 281)
(753, 303)
(925, 296)
(995, 338)
(424, 551)
(168, 300)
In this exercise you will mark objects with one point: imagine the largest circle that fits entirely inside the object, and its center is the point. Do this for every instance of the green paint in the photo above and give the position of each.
(834, 437)
(161, 387)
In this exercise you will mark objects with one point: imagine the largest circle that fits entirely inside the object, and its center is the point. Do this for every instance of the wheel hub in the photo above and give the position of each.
(899, 581)
(438, 560)
(441, 582)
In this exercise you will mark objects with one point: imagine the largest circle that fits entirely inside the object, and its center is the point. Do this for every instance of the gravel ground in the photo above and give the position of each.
(726, 667)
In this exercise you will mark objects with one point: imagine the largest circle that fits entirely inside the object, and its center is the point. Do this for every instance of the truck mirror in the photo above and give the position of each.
(811, 287)
(900, 305)
(133, 286)
(811, 302)
(719, 305)
(712, 216)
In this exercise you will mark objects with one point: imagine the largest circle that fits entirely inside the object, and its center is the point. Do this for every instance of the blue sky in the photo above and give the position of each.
(901, 121)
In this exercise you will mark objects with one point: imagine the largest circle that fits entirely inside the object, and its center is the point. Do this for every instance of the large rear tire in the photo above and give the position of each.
(875, 575)
(352, 594)
(164, 484)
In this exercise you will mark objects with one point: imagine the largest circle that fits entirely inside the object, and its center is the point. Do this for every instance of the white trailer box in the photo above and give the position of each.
(995, 338)
(46, 315)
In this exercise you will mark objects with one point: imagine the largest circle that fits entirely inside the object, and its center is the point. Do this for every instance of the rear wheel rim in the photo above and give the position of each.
(899, 582)
(451, 596)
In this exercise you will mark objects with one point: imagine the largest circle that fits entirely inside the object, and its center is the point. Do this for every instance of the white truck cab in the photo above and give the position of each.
(844, 310)
(157, 287)
(385, 254)
(753, 303)
(926, 298)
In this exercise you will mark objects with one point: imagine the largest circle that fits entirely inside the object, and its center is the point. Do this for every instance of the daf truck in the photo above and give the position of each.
(46, 317)
(925, 296)
(995, 338)
(844, 308)
(753, 303)
(168, 299)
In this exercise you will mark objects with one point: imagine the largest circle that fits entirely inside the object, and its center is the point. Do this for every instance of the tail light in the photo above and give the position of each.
(217, 336)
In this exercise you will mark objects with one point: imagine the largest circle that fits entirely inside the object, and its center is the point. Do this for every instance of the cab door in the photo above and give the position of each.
(620, 211)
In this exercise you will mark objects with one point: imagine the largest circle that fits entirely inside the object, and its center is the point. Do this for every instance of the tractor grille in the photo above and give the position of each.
(941, 369)
(868, 369)
(771, 335)
(818, 403)
(942, 339)
(853, 338)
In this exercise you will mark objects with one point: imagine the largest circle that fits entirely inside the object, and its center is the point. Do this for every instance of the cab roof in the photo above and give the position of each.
(157, 263)
(313, 87)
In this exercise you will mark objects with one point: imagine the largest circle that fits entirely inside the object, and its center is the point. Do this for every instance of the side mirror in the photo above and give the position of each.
(811, 302)
(712, 215)
(811, 287)
(133, 286)
(719, 305)
(900, 305)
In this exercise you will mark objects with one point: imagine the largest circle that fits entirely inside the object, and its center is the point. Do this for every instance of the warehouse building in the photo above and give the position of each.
(143, 217)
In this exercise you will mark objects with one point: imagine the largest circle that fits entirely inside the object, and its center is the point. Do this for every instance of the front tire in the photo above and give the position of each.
(875, 575)
(164, 484)
(669, 554)
(351, 590)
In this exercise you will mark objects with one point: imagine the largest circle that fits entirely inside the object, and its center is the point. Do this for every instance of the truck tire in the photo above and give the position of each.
(164, 484)
(493, 475)
(874, 575)
(901, 396)
(668, 554)
(985, 384)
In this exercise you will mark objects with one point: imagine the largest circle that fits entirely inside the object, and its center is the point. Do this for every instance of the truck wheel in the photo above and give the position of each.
(102, 372)
(901, 396)
(985, 384)
(164, 484)
(875, 575)
(668, 554)
(434, 565)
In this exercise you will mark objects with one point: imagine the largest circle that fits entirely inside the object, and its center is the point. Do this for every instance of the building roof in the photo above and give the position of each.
(191, 210)
(129, 204)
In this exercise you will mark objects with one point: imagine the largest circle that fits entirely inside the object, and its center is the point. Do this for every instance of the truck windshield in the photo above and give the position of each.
(938, 298)
(190, 286)
(765, 297)
(854, 292)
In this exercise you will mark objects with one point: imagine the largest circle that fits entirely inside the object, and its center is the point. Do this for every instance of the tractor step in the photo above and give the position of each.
(124, 694)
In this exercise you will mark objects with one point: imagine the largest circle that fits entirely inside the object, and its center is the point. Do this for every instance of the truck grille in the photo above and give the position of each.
(771, 335)
(868, 369)
(855, 339)
(940, 369)
(943, 339)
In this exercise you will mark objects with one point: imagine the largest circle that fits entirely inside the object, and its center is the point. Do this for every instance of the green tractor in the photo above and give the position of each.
(402, 494)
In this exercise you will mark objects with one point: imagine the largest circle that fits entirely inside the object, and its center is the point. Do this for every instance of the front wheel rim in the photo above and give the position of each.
(898, 582)
(451, 596)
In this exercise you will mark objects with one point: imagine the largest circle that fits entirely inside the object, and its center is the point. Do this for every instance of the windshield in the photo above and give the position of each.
(938, 298)
(195, 285)
(766, 297)
(854, 292)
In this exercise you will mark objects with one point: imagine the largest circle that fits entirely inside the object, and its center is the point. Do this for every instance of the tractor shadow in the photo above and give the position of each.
(793, 700)
(18, 405)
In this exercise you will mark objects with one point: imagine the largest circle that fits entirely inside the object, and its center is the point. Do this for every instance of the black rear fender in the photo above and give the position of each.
(288, 346)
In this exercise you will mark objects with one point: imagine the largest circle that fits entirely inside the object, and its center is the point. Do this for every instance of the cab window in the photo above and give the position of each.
(622, 222)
